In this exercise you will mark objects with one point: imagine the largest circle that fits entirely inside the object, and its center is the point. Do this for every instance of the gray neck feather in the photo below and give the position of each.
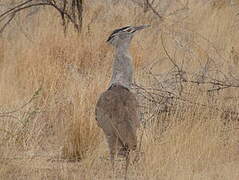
(122, 72)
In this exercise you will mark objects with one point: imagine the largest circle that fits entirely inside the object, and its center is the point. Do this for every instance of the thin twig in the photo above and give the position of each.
(24, 105)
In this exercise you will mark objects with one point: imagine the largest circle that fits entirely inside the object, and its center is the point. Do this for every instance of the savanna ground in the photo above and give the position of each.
(49, 85)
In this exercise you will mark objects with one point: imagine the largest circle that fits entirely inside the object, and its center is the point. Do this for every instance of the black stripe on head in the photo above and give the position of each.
(116, 31)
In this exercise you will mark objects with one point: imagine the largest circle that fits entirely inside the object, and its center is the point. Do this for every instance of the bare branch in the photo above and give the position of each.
(149, 5)
(18, 6)
(7, 23)
(67, 14)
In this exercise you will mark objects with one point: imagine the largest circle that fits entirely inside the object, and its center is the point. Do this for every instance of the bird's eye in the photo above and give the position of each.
(128, 30)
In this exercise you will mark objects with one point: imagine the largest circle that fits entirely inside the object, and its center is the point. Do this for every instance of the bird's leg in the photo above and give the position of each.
(113, 151)
(127, 160)
(138, 150)
(112, 159)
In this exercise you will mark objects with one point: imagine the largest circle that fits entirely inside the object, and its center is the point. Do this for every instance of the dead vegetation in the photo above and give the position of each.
(186, 78)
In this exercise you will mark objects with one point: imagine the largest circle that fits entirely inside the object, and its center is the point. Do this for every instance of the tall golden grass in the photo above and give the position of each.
(53, 82)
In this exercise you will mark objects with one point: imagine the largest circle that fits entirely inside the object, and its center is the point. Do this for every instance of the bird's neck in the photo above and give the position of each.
(122, 72)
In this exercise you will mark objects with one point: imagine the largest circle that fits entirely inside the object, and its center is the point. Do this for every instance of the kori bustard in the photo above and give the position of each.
(116, 110)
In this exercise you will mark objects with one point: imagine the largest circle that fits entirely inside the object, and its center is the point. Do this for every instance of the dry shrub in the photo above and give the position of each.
(82, 134)
(194, 142)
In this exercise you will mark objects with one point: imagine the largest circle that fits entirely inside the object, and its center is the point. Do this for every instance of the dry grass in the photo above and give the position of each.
(63, 77)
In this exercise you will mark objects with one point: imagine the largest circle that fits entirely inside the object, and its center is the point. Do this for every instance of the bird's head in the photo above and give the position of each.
(124, 35)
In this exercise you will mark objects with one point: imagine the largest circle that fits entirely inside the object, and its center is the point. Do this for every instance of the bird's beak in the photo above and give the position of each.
(138, 28)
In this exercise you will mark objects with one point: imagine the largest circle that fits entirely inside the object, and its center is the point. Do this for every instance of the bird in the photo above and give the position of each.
(116, 110)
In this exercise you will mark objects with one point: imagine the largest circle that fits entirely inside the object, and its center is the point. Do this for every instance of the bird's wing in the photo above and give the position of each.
(132, 107)
(116, 113)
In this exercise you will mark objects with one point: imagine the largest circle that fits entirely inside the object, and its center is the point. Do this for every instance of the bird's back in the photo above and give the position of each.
(116, 113)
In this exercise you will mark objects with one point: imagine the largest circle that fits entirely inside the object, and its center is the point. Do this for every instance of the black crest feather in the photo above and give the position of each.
(116, 31)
